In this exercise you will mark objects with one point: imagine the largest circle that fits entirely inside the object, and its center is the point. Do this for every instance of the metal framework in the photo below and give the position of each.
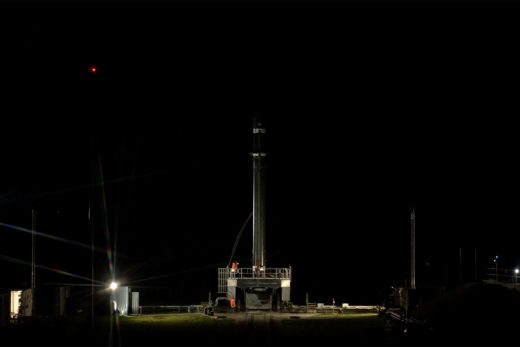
(277, 273)
(257, 287)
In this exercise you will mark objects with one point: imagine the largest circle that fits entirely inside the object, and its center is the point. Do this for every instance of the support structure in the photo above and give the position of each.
(33, 250)
(412, 260)
(257, 287)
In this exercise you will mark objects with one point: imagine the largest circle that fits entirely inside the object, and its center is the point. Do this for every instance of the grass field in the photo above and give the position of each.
(204, 330)
(201, 330)
(187, 329)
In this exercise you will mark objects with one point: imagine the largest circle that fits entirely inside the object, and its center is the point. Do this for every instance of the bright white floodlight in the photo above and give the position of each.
(113, 286)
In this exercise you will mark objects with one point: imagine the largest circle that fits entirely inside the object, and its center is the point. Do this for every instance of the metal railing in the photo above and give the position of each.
(171, 309)
(500, 275)
(273, 272)
(505, 277)
(223, 275)
(283, 273)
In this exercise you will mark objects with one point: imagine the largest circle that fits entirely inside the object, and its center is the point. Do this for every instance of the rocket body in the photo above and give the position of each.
(259, 157)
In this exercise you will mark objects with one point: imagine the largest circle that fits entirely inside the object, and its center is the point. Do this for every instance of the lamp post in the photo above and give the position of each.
(113, 309)
(515, 277)
(113, 286)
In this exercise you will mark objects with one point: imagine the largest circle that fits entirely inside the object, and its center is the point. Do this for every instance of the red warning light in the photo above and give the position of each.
(93, 69)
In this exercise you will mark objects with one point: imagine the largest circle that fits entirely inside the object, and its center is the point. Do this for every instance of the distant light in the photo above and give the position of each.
(93, 69)
(496, 257)
(113, 285)
(516, 271)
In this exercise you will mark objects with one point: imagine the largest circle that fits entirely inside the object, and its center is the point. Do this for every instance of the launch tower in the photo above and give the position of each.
(257, 287)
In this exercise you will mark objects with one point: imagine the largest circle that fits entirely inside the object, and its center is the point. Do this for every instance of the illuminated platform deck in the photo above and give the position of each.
(256, 289)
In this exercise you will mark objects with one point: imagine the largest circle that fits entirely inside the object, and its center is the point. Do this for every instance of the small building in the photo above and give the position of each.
(125, 301)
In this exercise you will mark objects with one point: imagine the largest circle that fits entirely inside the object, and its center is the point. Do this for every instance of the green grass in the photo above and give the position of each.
(189, 329)
(363, 328)
(200, 330)
(175, 324)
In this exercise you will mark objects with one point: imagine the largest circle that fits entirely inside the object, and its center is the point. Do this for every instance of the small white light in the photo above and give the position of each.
(113, 285)
(516, 271)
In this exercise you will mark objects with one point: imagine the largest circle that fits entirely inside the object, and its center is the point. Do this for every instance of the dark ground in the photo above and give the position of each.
(197, 330)
(474, 314)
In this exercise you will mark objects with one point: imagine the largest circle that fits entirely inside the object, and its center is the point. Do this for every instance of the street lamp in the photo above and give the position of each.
(113, 303)
(516, 276)
(113, 286)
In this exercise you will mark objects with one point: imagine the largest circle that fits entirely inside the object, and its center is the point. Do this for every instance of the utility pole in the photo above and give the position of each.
(33, 251)
(460, 265)
(412, 261)
(496, 268)
(91, 265)
(475, 275)
(91, 225)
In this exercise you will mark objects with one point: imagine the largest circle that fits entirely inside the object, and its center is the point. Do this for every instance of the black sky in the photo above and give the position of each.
(372, 109)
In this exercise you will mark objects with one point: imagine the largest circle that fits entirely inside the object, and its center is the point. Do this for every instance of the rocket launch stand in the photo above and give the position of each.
(257, 287)
(263, 289)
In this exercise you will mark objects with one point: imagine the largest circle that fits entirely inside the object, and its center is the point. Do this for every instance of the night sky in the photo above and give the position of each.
(372, 109)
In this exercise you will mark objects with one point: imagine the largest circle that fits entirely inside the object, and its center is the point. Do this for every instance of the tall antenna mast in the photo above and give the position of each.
(33, 250)
(412, 238)
(91, 226)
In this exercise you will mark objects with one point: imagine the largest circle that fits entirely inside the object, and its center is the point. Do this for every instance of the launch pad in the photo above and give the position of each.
(267, 289)
(257, 287)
